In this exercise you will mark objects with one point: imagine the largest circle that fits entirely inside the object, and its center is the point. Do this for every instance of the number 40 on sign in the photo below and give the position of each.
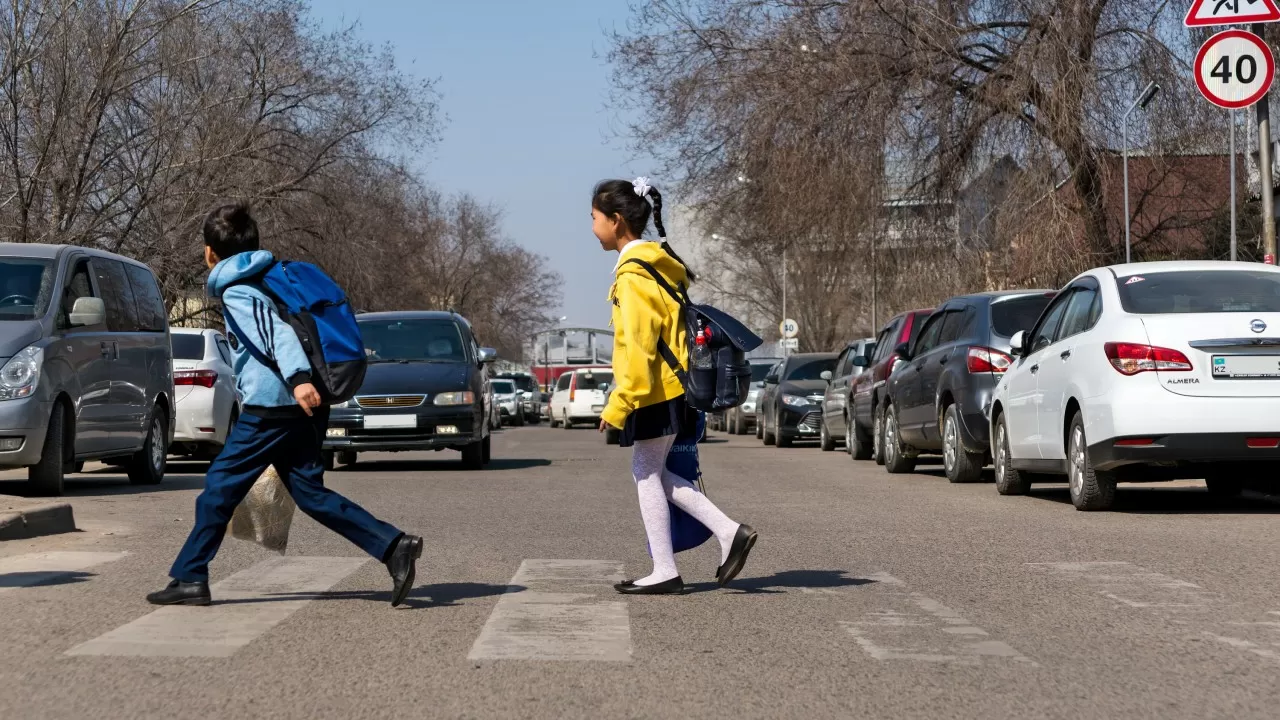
(1234, 69)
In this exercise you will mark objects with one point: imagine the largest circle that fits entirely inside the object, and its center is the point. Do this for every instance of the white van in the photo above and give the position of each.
(579, 396)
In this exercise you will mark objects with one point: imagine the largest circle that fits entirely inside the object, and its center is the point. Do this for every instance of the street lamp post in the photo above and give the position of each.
(1148, 94)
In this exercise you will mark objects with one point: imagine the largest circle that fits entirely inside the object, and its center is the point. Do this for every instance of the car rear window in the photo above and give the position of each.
(1017, 313)
(1200, 291)
(811, 370)
(594, 380)
(187, 347)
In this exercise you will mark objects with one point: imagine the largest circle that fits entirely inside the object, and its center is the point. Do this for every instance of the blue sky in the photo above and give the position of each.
(525, 90)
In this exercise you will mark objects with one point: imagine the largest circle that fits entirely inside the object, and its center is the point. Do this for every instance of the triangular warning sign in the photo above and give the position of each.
(1231, 12)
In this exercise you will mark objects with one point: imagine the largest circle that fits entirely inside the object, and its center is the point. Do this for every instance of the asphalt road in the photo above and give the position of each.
(867, 596)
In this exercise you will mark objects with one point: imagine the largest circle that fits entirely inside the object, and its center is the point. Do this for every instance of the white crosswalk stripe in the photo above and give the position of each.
(47, 567)
(246, 605)
(553, 610)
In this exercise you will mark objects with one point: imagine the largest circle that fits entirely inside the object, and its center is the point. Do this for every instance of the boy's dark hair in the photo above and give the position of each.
(618, 197)
(230, 230)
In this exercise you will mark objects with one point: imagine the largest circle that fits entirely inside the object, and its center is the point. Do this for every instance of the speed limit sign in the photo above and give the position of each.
(1234, 69)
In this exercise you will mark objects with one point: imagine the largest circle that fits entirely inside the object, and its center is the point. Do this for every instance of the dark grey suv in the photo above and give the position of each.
(424, 390)
(938, 395)
(86, 369)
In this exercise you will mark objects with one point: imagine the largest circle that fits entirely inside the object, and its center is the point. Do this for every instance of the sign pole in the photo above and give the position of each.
(1264, 162)
(1231, 115)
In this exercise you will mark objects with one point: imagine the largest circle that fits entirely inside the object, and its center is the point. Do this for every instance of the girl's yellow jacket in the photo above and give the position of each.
(642, 313)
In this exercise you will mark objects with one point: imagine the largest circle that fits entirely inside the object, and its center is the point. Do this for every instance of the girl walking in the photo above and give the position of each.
(648, 402)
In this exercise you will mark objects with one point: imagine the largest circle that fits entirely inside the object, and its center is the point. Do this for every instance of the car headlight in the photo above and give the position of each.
(343, 404)
(795, 401)
(19, 376)
(464, 397)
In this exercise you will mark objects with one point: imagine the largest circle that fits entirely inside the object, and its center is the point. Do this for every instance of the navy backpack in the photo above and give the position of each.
(318, 311)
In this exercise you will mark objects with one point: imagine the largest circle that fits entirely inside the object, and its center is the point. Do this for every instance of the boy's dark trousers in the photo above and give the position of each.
(293, 446)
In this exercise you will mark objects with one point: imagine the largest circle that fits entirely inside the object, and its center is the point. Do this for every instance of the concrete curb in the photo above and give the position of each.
(36, 520)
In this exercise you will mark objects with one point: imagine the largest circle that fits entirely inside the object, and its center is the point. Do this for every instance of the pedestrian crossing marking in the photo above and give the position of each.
(552, 610)
(47, 567)
(245, 606)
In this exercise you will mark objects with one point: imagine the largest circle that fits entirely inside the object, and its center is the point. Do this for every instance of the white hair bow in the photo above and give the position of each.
(641, 185)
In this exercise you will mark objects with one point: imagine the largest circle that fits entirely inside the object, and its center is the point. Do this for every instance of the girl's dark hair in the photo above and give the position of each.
(230, 230)
(618, 197)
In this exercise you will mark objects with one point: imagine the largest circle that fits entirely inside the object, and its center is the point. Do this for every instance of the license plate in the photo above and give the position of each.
(1246, 367)
(597, 408)
(382, 422)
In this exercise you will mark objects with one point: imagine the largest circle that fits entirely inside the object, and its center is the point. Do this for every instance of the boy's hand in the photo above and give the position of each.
(307, 396)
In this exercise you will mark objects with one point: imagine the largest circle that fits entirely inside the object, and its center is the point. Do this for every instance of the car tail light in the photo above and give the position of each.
(203, 378)
(1135, 442)
(573, 387)
(1263, 442)
(985, 359)
(1134, 358)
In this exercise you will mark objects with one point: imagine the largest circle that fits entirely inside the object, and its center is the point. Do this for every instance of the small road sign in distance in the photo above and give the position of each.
(789, 328)
(1204, 13)
(1234, 69)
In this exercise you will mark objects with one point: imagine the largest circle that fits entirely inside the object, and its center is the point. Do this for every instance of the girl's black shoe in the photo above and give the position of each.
(674, 586)
(743, 541)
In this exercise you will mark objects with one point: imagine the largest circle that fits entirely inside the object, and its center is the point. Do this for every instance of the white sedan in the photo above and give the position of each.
(205, 389)
(1145, 372)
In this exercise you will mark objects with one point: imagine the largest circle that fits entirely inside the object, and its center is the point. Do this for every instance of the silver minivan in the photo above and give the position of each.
(85, 364)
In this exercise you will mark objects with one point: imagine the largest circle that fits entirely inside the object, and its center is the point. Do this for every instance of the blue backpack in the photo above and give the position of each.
(318, 311)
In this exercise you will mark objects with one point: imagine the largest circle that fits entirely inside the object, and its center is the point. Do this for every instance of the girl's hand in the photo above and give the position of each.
(604, 425)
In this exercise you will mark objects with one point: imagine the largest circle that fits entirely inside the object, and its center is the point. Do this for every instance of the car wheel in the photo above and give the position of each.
(1223, 486)
(612, 436)
(1090, 489)
(897, 458)
(551, 422)
(564, 421)
(327, 459)
(473, 455)
(518, 419)
(768, 437)
(877, 437)
(1008, 480)
(346, 458)
(759, 429)
(146, 467)
(828, 442)
(859, 441)
(961, 465)
(46, 476)
(486, 451)
(780, 440)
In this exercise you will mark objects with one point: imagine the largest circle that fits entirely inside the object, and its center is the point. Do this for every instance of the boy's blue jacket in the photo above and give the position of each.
(259, 385)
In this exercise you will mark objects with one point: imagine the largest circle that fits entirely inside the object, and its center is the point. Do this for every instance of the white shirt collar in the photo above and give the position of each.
(631, 244)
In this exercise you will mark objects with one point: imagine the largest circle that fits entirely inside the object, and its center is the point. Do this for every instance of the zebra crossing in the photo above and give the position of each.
(565, 610)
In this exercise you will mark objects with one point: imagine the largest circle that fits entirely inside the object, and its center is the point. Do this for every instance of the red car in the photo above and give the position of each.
(868, 392)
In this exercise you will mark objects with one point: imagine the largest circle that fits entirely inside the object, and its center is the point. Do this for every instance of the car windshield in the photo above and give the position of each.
(187, 347)
(759, 371)
(503, 387)
(1200, 291)
(595, 380)
(26, 286)
(523, 383)
(1017, 313)
(413, 340)
(811, 370)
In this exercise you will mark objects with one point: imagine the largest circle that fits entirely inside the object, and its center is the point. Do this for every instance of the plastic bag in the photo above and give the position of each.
(265, 513)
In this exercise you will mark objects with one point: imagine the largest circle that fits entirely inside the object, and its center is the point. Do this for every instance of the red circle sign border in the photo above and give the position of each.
(1266, 52)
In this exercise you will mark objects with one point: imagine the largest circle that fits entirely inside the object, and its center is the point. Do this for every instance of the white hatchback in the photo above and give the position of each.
(579, 396)
(205, 390)
(1145, 372)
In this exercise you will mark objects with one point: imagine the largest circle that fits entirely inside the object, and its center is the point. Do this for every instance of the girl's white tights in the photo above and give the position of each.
(655, 485)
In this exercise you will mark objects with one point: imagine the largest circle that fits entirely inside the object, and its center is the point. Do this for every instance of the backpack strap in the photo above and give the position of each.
(681, 298)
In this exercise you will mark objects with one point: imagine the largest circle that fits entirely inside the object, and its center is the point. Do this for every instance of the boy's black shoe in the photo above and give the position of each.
(674, 586)
(182, 593)
(403, 566)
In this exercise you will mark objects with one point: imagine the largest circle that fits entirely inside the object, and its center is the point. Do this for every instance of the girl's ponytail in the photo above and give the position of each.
(656, 197)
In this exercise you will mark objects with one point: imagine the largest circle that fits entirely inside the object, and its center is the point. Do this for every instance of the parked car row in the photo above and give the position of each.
(1131, 373)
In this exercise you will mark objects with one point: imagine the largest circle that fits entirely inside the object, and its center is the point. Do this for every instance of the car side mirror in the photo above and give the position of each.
(1017, 342)
(88, 311)
(488, 355)
(903, 351)
(826, 375)
(861, 361)
(771, 380)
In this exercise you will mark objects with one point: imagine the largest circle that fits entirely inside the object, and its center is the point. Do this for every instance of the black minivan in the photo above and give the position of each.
(938, 395)
(424, 390)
